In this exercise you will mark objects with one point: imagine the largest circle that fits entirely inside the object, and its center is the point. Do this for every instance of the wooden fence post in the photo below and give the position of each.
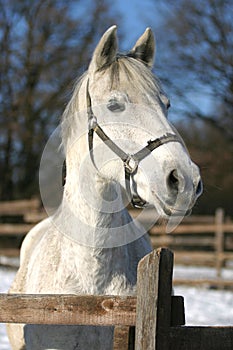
(122, 338)
(219, 240)
(153, 311)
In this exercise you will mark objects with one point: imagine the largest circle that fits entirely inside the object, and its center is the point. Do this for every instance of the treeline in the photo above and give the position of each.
(196, 44)
(46, 44)
(213, 153)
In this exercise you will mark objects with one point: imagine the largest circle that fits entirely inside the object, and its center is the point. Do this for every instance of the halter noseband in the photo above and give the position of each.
(130, 161)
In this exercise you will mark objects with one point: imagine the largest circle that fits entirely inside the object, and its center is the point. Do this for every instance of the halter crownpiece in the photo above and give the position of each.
(130, 161)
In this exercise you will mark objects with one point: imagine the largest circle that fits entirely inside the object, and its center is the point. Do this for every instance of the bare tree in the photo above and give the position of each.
(213, 156)
(197, 61)
(44, 45)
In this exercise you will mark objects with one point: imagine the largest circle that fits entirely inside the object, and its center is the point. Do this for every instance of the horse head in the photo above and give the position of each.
(130, 107)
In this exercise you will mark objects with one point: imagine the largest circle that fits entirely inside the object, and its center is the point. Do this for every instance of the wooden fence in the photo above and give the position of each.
(153, 320)
(198, 240)
(16, 219)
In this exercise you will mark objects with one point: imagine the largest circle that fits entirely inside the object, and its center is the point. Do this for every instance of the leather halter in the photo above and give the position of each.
(130, 161)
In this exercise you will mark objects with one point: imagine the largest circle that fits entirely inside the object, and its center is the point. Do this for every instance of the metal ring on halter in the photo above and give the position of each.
(131, 164)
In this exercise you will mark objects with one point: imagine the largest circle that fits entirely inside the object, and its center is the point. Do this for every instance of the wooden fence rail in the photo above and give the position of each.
(198, 240)
(157, 316)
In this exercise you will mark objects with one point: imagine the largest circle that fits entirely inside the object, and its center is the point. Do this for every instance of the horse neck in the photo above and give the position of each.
(90, 194)
(94, 200)
(96, 203)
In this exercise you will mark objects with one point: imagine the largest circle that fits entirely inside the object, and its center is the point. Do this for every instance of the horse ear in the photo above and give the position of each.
(106, 50)
(144, 49)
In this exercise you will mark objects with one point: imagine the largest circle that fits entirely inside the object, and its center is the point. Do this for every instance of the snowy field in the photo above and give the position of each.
(202, 306)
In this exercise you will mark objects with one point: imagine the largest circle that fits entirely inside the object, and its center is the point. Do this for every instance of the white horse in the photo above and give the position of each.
(127, 149)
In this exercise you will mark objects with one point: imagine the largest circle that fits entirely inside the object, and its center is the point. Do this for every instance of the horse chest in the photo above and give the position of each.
(105, 271)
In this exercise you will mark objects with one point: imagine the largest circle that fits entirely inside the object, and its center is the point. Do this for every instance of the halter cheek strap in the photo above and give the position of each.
(130, 161)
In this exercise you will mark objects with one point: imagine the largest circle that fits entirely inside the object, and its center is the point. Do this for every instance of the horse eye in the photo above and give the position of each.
(165, 100)
(115, 105)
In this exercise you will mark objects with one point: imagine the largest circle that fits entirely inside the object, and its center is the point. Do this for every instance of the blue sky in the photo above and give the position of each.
(136, 15)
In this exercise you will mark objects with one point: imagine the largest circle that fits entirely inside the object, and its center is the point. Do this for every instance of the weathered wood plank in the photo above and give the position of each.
(200, 338)
(165, 240)
(9, 252)
(147, 300)
(15, 229)
(195, 228)
(35, 216)
(67, 309)
(164, 314)
(121, 338)
(217, 283)
(219, 239)
(153, 298)
(198, 258)
(19, 207)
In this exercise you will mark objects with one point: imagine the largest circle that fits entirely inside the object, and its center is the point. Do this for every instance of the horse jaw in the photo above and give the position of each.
(172, 182)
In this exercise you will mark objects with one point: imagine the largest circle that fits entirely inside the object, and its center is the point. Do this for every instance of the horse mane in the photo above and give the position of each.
(135, 71)
(69, 116)
(124, 66)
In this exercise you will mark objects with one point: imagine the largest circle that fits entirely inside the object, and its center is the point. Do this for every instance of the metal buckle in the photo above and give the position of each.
(92, 121)
(131, 164)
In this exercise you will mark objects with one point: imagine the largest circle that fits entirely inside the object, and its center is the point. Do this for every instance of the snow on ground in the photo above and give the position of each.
(202, 306)
(6, 278)
(205, 307)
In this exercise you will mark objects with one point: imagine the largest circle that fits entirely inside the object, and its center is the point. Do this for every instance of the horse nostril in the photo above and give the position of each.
(199, 188)
(173, 180)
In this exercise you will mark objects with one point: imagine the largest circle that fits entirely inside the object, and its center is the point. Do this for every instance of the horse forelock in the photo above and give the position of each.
(136, 72)
(124, 70)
